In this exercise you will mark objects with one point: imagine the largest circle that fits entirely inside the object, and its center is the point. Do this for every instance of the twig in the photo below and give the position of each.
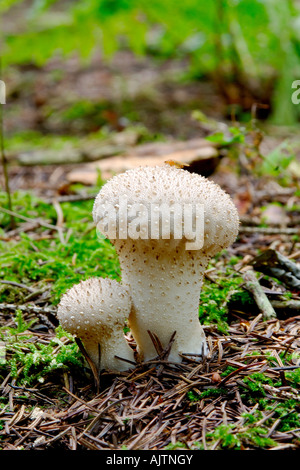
(125, 360)
(294, 255)
(156, 342)
(17, 284)
(262, 301)
(32, 390)
(55, 438)
(270, 230)
(28, 219)
(4, 163)
(59, 212)
(26, 227)
(71, 198)
(274, 264)
(286, 304)
(28, 308)
(94, 369)
(240, 369)
(60, 220)
(286, 368)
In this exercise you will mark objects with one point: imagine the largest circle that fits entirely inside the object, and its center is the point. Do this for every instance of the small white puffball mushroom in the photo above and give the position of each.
(163, 255)
(95, 311)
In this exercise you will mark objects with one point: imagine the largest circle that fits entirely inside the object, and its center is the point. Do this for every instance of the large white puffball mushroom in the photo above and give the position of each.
(164, 272)
(95, 311)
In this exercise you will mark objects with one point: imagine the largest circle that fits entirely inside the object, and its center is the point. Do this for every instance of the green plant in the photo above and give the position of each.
(233, 437)
(224, 434)
(176, 445)
(208, 393)
(234, 135)
(289, 414)
(294, 377)
(278, 160)
(228, 371)
(21, 325)
(214, 299)
(30, 363)
(255, 383)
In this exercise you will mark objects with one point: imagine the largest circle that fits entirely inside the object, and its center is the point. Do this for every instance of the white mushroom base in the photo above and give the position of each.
(104, 354)
(164, 280)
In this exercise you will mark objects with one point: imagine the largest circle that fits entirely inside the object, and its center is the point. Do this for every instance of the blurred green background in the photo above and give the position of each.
(153, 58)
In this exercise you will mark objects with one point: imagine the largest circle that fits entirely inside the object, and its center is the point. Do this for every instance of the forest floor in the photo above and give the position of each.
(245, 394)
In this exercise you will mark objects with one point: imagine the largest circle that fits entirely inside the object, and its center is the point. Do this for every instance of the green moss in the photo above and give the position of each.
(31, 362)
(208, 393)
(243, 298)
(175, 446)
(294, 377)
(228, 371)
(257, 436)
(289, 414)
(254, 383)
(231, 437)
(47, 261)
(215, 297)
(224, 434)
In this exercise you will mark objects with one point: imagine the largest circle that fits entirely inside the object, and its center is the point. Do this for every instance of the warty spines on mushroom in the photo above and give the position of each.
(164, 277)
(157, 185)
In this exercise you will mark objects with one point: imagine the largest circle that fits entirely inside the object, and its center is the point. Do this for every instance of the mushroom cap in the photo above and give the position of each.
(94, 308)
(170, 185)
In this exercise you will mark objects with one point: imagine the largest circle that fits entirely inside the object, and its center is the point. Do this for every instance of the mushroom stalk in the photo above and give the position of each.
(165, 282)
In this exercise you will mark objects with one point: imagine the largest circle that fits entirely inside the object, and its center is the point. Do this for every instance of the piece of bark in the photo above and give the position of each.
(203, 160)
(253, 286)
(68, 155)
(274, 264)
(289, 305)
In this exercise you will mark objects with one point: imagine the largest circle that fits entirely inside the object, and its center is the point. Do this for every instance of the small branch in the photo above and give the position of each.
(28, 219)
(4, 164)
(270, 230)
(125, 360)
(276, 265)
(262, 301)
(71, 198)
(285, 368)
(32, 390)
(28, 308)
(59, 212)
(286, 304)
(17, 284)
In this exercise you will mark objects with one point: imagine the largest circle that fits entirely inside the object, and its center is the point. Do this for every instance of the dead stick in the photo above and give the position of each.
(17, 284)
(274, 264)
(286, 304)
(28, 308)
(270, 230)
(4, 165)
(28, 219)
(262, 301)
